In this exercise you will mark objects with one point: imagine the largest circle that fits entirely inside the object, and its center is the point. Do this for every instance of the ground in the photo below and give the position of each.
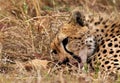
(26, 29)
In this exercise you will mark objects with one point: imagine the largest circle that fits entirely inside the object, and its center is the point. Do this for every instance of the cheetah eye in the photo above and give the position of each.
(91, 41)
(54, 51)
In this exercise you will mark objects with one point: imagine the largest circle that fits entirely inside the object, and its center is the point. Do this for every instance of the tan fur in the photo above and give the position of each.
(106, 29)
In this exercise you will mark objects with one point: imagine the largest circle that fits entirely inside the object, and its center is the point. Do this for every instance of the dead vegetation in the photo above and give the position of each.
(26, 29)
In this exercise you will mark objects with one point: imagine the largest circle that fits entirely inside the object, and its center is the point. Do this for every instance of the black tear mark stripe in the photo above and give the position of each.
(64, 43)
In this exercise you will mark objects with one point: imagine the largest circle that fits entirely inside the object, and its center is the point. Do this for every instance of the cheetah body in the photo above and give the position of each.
(106, 31)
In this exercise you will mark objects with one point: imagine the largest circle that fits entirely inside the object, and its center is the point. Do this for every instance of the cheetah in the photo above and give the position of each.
(105, 29)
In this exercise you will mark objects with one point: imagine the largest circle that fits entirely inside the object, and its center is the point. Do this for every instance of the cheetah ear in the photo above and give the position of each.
(78, 16)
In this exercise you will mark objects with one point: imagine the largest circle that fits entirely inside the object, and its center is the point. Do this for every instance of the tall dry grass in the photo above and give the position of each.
(26, 29)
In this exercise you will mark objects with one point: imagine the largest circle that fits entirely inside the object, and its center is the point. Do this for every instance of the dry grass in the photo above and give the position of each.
(26, 30)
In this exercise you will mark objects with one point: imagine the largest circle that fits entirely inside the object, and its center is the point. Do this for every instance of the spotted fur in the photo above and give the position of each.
(105, 29)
